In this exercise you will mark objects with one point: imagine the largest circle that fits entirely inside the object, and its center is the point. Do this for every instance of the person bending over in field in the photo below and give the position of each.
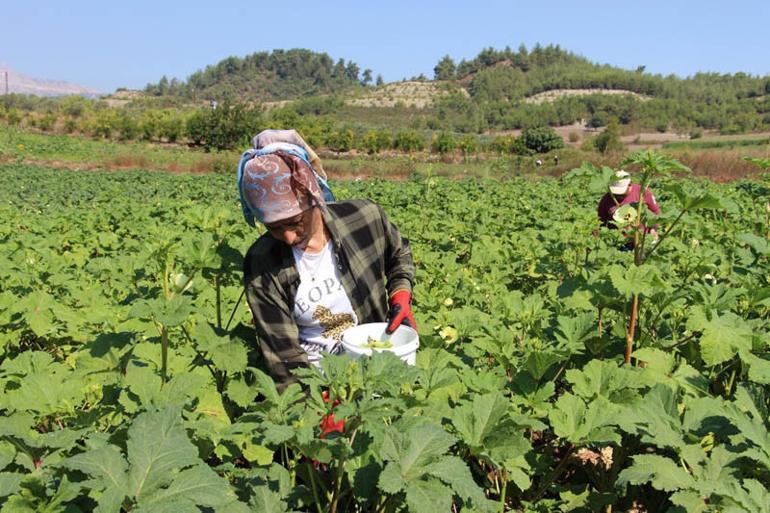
(321, 267)
(623, 192)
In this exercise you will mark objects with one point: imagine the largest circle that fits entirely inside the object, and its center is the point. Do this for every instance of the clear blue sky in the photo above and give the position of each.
(108, 44)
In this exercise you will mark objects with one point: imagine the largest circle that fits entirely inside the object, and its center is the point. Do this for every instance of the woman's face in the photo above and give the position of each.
(294, 231)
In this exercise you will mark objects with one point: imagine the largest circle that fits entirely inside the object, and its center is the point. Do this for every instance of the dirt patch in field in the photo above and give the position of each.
(555, 94)
(276, 104)
(414, 94)
(651, 140)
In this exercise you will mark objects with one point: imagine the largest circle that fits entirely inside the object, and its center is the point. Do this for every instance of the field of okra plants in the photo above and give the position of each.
(556, 372)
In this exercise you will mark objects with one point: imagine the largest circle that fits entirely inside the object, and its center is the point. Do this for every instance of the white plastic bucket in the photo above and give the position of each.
(405, 341)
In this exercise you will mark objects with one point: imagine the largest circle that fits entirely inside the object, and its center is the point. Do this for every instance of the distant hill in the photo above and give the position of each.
(23, 84)
(267, 76)
(513, 89)
(512, 75)
(496, 90)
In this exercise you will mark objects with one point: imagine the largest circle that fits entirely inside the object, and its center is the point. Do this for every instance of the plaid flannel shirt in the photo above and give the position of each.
(373, 259)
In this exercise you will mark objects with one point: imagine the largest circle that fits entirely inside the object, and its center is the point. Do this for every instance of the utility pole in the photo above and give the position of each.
(6, 83)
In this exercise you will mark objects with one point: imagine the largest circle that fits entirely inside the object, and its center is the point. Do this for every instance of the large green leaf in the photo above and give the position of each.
(7, 453)
(601, 379)
(581, 423)
(265, 500)
(759, 244)
(158, 447)
(723, 336)
(690, 202)
(454, 472)
(659, 471)
(656, 417)
(198, 485)
(748, 496)
(230, 357)
(573, 332)
(9, 483)
(413, 451)
(106, 463)
(46, 393)
(428, 495)
(643, 279)
(477, 419)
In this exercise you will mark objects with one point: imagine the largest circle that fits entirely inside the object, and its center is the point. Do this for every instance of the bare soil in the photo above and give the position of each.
(555, 94)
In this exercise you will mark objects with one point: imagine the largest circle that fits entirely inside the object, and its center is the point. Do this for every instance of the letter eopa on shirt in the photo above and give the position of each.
(322, 308)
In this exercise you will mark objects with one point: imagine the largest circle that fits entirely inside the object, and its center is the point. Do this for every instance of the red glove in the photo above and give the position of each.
(400, 311)
(328, 425)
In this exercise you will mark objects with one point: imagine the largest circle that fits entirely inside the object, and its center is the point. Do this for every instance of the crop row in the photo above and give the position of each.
(129, 379)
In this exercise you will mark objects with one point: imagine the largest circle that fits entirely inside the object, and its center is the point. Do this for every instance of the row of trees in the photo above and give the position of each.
(154, 125)
(459, 113)
(232, 125)
(276, 75)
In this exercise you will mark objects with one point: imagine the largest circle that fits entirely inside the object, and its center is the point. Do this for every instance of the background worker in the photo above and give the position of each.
(623, 192)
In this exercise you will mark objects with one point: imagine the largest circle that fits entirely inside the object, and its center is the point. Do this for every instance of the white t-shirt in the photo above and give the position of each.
(322, 309)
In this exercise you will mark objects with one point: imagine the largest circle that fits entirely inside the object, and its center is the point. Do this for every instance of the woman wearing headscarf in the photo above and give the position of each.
(321, 267)
(623, 192)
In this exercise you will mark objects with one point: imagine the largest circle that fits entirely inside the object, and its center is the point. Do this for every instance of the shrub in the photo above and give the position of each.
(13, 117)
(375, 141)
(70, 125)
(171, 127)
(409, 141)
(226, 127)
(74, 106)
(541, 139)
(150, 125)
(46, 122)
(128, 126)
(104, 123)
(468, 144)
(609, 139)
(573, 137)
(598, 120)
(443, 142)
(501, 144)
(341, 140)
(588, 144)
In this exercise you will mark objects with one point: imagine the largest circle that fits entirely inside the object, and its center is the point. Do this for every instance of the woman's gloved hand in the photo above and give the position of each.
(328, 424)
(400, 311)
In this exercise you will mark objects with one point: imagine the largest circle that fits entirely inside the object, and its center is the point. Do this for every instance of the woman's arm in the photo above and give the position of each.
(276, 329)
(649, 200)
(399, 265)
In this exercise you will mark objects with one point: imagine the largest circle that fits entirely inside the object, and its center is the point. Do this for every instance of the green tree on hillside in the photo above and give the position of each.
(445, 69)
(609, 140)
(366, 78)
(541, 139)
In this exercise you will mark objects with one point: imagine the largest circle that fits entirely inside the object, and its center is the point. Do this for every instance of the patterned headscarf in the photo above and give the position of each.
(289, 138)
(278, 186)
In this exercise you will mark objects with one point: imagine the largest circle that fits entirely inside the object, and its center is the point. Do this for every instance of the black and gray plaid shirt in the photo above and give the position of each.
(373, 260)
